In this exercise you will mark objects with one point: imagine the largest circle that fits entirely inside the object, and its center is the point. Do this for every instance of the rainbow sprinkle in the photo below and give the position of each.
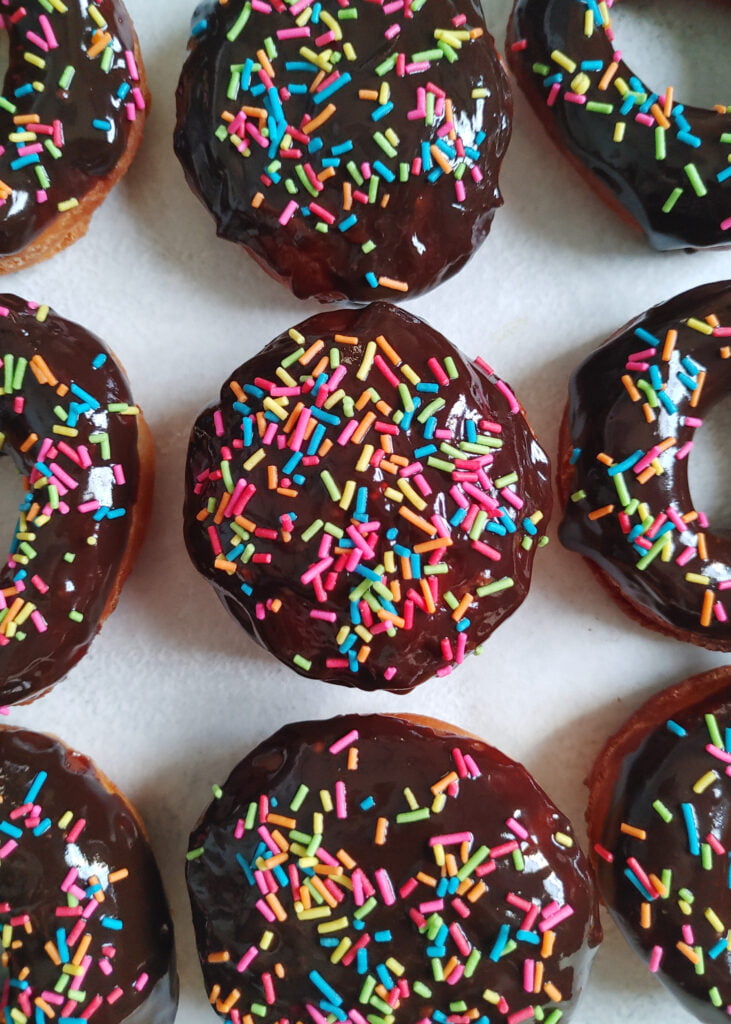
(396, 510)
(75, 61)
(669, 371)
(353, 897)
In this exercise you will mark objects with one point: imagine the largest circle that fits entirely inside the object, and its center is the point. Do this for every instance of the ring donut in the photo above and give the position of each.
(634, 408)
(661, 163)
(352, 148)
(69, 422)
(658, 821)
(86, 929)
(72, 114)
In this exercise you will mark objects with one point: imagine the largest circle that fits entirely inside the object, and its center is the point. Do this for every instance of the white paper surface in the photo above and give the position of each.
(173, 693)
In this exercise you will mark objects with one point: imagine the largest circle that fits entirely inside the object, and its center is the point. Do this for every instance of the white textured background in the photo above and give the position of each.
(172, 693)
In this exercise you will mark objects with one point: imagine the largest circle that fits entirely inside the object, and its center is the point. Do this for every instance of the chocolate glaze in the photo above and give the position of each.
(88, 154)
(393, 754)
(603, 418)
(30, 666)
(645, 762)
(416, 653)
(426, 233)
(31, 876)
(627, 173)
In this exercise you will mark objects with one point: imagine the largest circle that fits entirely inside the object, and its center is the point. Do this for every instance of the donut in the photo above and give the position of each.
(365, 500)
(634, 407)
(659, 831)
(68, 421)
(661, 164)
(74, 101)
(352, 148)
(388, 868)
(85, 924)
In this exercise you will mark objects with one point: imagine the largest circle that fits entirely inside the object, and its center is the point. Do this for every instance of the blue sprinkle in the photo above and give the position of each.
(103, 124)
(349, 222)
(35, 787)
(371, 279)
(384, 171)
(667, 401)
(367, 804)
(530, 937)
(199, 28)
(113, 923)
(382, 111)
(99, 360)
(638, 885)
(644, 335)
(500, 943)
(691, 825)
(627, 463)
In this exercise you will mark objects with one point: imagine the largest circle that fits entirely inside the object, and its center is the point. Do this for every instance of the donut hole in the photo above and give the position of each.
(674, 43)
(12, 494)
(708, 468)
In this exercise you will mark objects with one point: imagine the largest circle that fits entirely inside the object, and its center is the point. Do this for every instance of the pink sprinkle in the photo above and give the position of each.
(553, 94)
(684, 450)
(341, 807)
(516, 828)
(485, 549)
(715, 844)
(693, 421)
(344, 741)
(39, 622)
(688, 935)
(218, 423)
(573, 97)
(529, 975)
(503, 849)
(720, 612)
(114, 995)
(265, 910)
(385, 887)
(549, 923)
(324, 617)
(268, 986)
(390, 672)
(685, 556)
(459, 190)
(458, 758)
(521, 1015)
(289, 211)
(655, 959)
(725, 224)
(293, 33)
(75, 832)
(248, 957)
(450, 838)
(460, 939)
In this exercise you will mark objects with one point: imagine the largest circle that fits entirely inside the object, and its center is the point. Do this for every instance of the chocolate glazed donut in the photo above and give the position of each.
(352, 148)
(86, 927)
(365, 500)
(69, 422)
(661, 163)
(71, 118)
(634, 408)
(419, 875)
(660, 832)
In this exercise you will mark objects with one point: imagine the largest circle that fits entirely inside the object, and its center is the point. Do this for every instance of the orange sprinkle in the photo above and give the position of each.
(668, 105)
(310, 353)
(347, 196)
(343, 856)
(238, 391)
(281, 819)
(645, 915)
(353, 759)
(272, 475)
(538, 977)
(234, 996)
(659, 115)
(702, 546)
(606, 459)
(461, 609)
(726, 352)
(649, 412)
(346, 339)
(669, 442)
(608, 76)
(29, 442)
(81, 949)
(696, 396)
(686, 950)
(669, 344)
(261, 56)
(707, 609)
(388, 350)
(421, 523)
(428, 599)
(257, 200)
(477, 890)
(630, 830)
(646, 474)
(27, 119)
(658, 886)
(549, 938)
(53, 953)
(381, 831)
(631, 389)
(363, 427)
(553, 993)
(599, 513)
(390, 282)
(368, 94)
(100, 41)
(224, 565)
(321, 118)
(215, 992)
(433, 545)
(328, 172)
(276, 907)
(444, 783)
(219, 958)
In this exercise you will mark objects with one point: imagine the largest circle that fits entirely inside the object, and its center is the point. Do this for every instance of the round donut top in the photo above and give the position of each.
(352, 147)
(365, 500)
(373, 866)
(68, 421)
(634, 408)
(85, 924)
(665, 162)
(70, 94)
(662, 850)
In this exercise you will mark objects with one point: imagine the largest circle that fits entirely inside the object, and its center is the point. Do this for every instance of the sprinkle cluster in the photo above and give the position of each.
(46, 107)
(669, 859)
(664, 384)
(405, 921)
(300, 80)
(68, 973)
(389, 496)
(689, 148)
(73, 475)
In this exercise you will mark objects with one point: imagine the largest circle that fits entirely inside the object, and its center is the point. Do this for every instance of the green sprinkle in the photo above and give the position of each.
(76, 616)
(714, 732)
(660, 149)
(695, 179)
(662, 810)
(299, 797)
(238, 26)
(407, 817)
(494, 588)
(672, 200)
(302, 662)
(195, 854)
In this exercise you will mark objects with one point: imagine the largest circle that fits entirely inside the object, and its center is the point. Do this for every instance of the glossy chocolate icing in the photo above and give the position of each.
(33, 662)
(426, 233)
(627, 172)
(400, 765)
(123, 924)
(602, 417)
(88, 154)
(297, 629)
(653, 763)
